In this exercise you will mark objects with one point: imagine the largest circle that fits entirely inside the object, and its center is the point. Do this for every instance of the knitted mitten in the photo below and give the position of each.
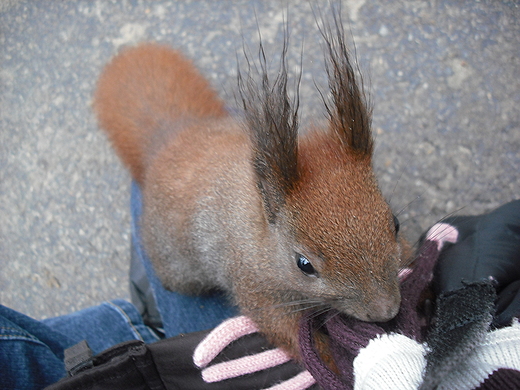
(229, 351)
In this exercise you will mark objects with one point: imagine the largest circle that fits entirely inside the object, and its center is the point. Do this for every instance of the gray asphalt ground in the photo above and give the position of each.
(444, 78)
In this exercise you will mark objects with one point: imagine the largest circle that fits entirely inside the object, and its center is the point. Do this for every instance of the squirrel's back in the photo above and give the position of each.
(145, 91)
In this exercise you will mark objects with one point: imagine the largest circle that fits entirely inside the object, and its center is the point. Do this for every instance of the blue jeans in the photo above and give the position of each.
(32, 352)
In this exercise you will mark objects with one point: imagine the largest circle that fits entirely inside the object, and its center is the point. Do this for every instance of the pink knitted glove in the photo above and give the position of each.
(234, 349)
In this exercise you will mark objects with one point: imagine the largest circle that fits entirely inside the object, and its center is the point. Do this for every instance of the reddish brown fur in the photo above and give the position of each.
(326, 199)
(222, 209)
(174, 90)
(355, 233)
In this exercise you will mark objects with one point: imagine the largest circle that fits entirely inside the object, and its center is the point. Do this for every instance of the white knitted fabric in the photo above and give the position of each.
(500, 349)
(396, 362)
(390, 361)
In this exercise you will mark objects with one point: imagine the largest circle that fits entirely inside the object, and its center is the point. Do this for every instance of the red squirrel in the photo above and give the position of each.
(282, 223)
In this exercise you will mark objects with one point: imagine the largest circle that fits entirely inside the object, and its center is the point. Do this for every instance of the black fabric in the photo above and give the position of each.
(487, 248)
(502, 379)
(168, 365)
(141, 292)
(78, 358)
(488, 245)
(126, 366)
(508, 305)
(177, 369)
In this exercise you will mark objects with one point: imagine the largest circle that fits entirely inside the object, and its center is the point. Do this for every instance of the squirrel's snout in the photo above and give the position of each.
(383, 308)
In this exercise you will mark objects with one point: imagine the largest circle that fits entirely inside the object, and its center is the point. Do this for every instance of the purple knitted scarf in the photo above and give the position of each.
(348, 335)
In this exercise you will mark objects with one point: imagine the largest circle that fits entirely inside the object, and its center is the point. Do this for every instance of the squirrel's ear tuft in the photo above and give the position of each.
(272, 118)
(350, 115)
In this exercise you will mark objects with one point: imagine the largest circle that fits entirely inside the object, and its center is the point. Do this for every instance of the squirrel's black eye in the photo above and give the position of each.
(396, 224)
(305, 265)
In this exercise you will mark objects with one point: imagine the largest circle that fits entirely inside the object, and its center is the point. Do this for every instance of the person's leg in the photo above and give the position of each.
(103, 326)
(179, 313)
(31, 353)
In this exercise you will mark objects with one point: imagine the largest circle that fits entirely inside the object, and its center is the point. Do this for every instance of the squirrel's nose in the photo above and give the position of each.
(383, 308)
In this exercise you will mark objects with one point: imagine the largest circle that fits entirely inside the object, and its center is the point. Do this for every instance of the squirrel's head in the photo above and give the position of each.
(339, 240)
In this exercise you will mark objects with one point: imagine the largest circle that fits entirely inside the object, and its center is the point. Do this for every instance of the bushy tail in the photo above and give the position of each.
(146, 91)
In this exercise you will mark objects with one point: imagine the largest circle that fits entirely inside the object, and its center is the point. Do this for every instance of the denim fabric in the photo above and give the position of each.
(103, 326)
(31, 351)
(180, 313)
